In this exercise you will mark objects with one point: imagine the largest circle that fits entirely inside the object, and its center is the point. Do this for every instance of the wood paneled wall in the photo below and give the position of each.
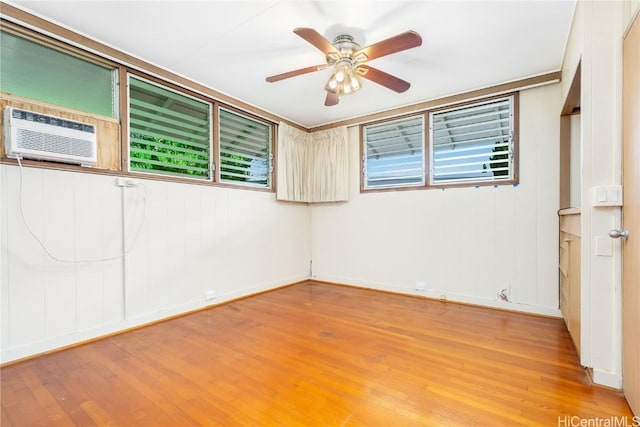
(178, 240)
(467, 244)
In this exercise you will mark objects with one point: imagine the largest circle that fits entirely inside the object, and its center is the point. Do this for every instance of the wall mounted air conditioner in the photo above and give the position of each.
(43, 137)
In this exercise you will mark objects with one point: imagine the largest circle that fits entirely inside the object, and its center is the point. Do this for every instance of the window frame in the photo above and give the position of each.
(270, 187)
(127, 134)
(428, 147)
(514, 143)
(364, 187)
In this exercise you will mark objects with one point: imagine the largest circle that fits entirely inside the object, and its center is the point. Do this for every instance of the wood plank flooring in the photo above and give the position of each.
(316, 355)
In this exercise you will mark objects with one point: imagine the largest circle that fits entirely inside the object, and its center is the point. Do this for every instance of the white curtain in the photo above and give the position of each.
(328, 171)
(312, 167)
(291, 182)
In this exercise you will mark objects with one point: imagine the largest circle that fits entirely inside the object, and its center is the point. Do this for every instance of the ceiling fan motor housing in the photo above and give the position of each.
(345, 48)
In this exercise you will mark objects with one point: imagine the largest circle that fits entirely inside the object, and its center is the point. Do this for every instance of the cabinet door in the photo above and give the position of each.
(570, 274)
(564, 276)
(574, 290)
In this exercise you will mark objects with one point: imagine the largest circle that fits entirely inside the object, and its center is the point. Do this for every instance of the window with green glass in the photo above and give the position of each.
(245, 150)
(169, 132)
(32, 70)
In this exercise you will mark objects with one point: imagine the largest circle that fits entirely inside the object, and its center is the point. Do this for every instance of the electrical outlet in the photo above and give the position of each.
(209, 295)
(421, 286)
(443, 297)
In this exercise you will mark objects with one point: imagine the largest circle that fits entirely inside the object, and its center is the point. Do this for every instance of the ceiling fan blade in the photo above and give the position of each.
(383, 79)
(294, 73)
(316, 39)
(404, 41)
(331, 99)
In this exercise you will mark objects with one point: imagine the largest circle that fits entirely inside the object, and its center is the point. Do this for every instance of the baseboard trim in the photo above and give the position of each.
(606, 379)
(79, 338)
(452, 298)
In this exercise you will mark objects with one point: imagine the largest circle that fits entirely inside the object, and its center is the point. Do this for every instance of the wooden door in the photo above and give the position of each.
(631, 217)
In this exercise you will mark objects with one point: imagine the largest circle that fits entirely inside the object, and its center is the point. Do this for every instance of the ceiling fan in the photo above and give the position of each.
(348, 58)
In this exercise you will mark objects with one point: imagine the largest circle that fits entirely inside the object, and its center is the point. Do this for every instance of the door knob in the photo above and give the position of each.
(616, 234)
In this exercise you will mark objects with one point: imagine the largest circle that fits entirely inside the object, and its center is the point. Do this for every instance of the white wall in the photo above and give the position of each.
(192, 239)
(466, 243)
(596, 39)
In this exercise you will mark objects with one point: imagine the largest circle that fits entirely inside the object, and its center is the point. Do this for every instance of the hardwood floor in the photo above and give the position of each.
(316, 355)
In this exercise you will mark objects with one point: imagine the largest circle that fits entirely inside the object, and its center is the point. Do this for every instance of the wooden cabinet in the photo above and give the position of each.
(570, 271)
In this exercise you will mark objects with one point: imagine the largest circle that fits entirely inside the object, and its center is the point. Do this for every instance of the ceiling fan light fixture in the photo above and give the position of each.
(356, 84)
(344, 80)
(342, 70)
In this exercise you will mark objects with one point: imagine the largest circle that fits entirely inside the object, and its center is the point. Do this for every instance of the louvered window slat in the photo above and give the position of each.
(170, 132)
(463, 132)
(160, 146)
(495, 115)
(179, 156)
(504, 138)
(176, 121)
(245, 150)
(394, 153)
(240, 148)
(468, 153)
(177, 169)
(472, 143)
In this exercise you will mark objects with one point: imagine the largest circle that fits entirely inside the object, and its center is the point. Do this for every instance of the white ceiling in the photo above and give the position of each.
(231, 46)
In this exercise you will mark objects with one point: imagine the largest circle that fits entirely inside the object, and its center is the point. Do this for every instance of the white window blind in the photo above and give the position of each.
(394, 153)
(36, 71)
(245, 150)
(169, 133)
(473, 143)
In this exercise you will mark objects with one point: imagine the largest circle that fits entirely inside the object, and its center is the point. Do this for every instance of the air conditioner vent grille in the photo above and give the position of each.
(59, 144)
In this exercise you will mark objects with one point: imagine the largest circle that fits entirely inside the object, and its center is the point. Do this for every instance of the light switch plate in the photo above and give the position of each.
(607, 195)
